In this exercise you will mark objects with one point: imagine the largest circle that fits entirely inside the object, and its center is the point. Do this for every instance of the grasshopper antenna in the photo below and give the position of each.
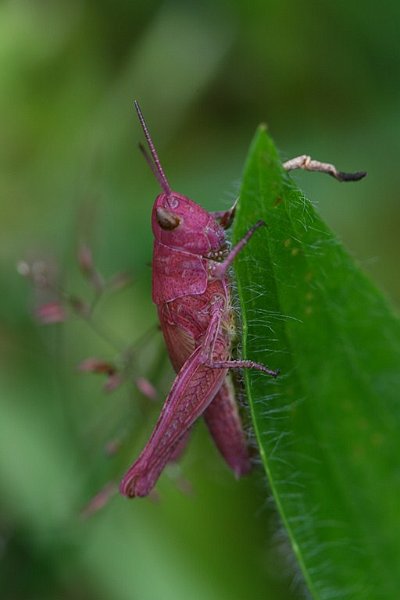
(149, 161)
(155, 165)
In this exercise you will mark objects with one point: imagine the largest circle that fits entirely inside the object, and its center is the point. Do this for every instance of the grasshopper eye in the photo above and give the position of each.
(166, 219)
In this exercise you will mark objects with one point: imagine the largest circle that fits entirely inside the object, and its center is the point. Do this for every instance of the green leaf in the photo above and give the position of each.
(328, 428)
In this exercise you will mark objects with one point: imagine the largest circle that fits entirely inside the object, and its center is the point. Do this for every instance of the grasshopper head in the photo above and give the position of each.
(180, 223)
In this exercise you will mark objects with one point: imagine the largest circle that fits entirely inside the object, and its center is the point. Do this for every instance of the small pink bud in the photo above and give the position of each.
(96, 365)
(86, 263)
(112, 447)
(85, 259)
(119, 281)
(99, 500)
(113, 381)
(146, 388)
(52, 312)
(102, 367)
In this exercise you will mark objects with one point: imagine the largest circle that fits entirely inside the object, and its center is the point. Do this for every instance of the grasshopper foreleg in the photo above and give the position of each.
(219, 270)
(225, 217)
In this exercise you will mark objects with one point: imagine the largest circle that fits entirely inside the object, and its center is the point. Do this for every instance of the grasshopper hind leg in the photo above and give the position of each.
(225, 426)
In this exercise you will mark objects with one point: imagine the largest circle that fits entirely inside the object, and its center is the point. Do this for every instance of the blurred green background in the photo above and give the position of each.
(325, 77)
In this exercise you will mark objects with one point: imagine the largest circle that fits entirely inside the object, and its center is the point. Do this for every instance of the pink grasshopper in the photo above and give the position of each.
(191, 260)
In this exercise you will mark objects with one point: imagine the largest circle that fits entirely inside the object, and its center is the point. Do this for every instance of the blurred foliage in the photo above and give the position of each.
(325, 77)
